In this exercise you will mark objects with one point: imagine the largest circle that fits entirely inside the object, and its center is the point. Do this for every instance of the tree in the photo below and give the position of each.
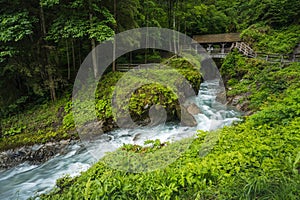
(15, 30)
(92, 22)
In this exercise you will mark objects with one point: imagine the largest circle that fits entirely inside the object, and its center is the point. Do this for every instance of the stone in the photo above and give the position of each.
(124, 122)
(236, 100)
(221, 97)
(94, 127)
(193, 109)
(137, 137)
(64, 142)
(35, 154)
(158, 115)
(186, 119)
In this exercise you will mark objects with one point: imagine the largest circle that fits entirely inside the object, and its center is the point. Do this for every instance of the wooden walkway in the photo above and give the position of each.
(273, 58)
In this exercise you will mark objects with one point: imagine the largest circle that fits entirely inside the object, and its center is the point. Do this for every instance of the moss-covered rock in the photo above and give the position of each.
(135, 92)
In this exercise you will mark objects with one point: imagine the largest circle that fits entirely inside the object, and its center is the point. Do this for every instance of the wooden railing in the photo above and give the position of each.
(282, 58)
(273, 58)
(126, 67)
(245, 49)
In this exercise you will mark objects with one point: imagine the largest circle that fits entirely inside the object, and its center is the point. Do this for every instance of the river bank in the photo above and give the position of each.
(218, 116)
(35, 154)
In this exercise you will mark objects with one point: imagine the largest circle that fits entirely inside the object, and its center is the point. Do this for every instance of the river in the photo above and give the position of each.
(24, 181)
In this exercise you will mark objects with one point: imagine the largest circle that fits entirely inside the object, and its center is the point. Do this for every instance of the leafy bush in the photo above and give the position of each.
(257, 80)
(37, 125)
(267, 40)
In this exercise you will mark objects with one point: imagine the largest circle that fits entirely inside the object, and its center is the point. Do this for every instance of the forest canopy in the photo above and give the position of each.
(43, 42)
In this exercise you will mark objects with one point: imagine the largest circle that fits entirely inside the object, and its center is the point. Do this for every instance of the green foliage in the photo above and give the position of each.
(147, 94)
(68, 25)
(254, 159)
(104, 94)
(246, 163)
(37, 125)
(12, 131)
(15, 27)
(267, 40)
(151, 146)
(68, 121)
(64, 182)
(280, 112)
(258, 81)
(152, 94)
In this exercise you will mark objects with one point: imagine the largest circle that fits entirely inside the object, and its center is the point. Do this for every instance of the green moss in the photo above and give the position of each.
(151, 87)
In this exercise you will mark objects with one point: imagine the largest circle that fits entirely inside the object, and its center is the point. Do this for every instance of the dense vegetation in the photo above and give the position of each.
(258, 158)
(43, 43)
(165, 93)
(50, 122)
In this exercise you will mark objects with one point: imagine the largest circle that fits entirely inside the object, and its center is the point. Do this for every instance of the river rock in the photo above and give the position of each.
(221, 97)
(193, 109)
(186, 119)
(158, 115)
(124, 122)
(35, 154)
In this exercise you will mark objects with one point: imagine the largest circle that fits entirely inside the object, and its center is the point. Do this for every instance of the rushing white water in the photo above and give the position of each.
(24, 181)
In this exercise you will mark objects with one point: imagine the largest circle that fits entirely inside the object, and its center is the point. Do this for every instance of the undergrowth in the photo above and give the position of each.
(258, 158)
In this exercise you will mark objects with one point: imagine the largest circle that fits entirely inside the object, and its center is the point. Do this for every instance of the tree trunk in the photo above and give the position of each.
(147, 35)
(130, 57)
(114, 42)
(174, 35)
(68, 60)
(46, 63)
(73, 55)
(94, 57)
(93, 44)
(79, 54)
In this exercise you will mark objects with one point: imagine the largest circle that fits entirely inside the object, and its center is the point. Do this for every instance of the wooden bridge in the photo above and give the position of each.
(219, 45)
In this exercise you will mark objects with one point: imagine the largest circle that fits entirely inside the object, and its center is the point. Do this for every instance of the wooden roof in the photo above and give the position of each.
(217, 38)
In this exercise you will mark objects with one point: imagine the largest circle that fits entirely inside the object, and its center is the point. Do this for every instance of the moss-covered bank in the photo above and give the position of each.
(54, 121)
